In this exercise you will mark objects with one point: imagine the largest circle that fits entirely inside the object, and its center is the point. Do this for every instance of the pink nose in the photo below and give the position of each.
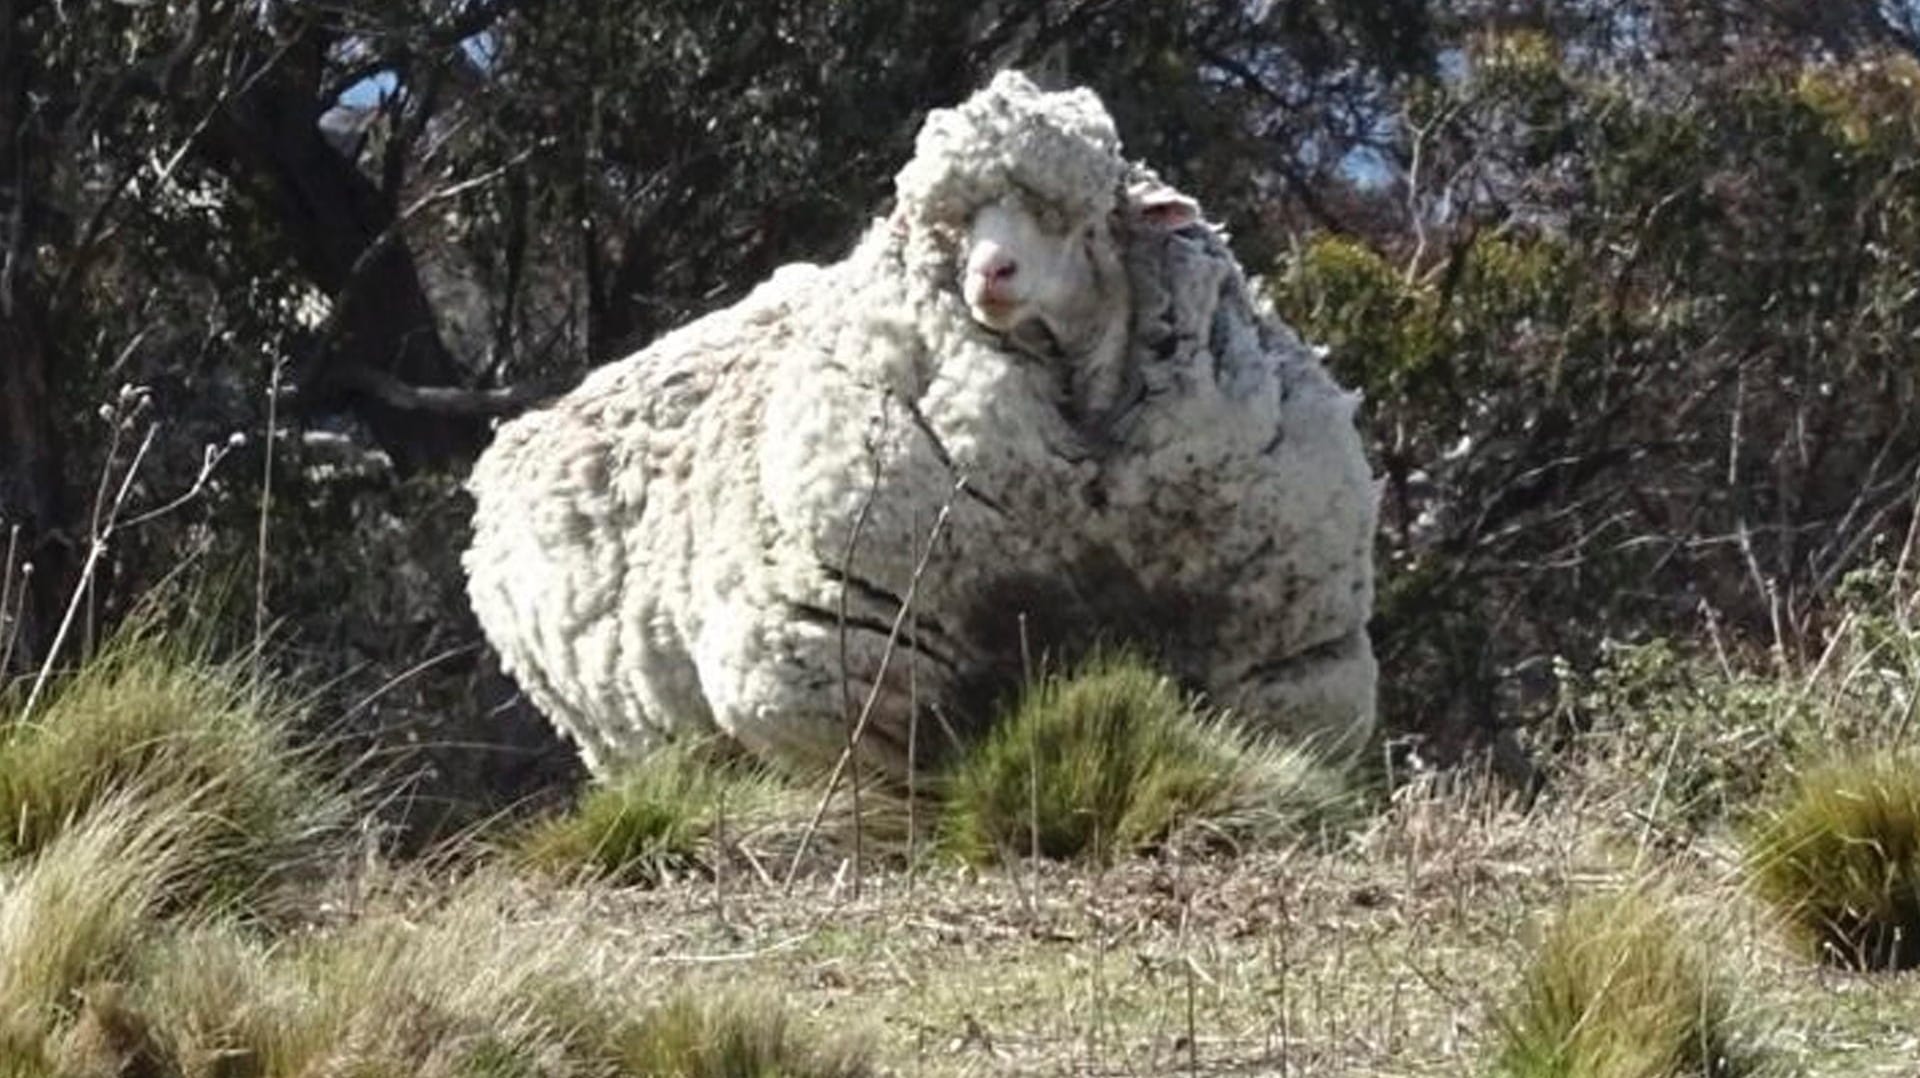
(993, 277)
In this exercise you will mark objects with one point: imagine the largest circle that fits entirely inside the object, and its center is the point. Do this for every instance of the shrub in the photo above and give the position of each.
(1112, 757)
(1840, 860)
(1617, 990)
(157, 721)
(1717, 732)
(652, 819)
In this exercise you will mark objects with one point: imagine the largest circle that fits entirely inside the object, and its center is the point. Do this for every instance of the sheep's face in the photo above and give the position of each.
(1045, 282)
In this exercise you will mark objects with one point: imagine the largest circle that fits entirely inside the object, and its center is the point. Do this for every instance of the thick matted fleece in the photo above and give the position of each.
(667, 549)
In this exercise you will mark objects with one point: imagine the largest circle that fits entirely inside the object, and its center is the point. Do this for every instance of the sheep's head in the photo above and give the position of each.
(1018, 207)
(1055, 284)
(1042, 280)
(1021, 197)
(1010, 197)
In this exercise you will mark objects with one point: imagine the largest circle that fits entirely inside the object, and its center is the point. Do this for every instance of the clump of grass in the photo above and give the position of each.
(77, 911)
(1840, 860)
(1112, 757)
(156, 720)
(468, 990)
(654, 818)
(692, 1037)
(1618, 989)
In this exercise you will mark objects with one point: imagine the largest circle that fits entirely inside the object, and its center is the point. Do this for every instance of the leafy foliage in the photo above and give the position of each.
(1625, 285)
(1632, 351)
(1701, 735)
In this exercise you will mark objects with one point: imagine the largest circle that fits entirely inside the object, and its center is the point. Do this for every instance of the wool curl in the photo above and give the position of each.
(718, 534)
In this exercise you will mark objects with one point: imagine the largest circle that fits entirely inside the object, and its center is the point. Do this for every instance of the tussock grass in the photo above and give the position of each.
(1618, 988)
(1110, 758)
(690, 1037)
(154, 720)
(77, 910)
(463, 992)
(655, 818)
(1840, 860)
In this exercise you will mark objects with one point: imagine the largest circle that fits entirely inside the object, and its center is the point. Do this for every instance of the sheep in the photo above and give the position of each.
(1035, 398)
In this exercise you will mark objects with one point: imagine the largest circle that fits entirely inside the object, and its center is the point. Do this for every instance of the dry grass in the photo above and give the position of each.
(1385, 954)
(458, 990)
(1394, 944)
(77, 911)
(155, 721)
(492, 979)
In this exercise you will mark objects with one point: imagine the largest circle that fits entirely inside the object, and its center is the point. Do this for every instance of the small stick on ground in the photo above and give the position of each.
(9, 627)
(913, 737)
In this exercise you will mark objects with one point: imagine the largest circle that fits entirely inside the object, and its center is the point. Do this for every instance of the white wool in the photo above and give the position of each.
(665, 549)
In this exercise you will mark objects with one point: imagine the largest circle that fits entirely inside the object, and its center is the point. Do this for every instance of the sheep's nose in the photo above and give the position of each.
(993, 264)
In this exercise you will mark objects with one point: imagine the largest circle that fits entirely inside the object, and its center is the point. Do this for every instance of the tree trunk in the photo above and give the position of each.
(343, 233)
(31, 499)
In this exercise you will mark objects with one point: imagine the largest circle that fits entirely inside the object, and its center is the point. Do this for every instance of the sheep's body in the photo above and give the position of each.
(717, 533)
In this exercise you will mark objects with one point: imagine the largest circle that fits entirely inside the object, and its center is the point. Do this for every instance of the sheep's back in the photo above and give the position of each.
(605, 519)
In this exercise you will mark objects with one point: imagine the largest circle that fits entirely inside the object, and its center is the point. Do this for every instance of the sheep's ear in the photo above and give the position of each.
(1162, 207)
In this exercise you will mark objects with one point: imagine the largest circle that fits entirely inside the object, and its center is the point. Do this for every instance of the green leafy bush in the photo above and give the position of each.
(1702, 735)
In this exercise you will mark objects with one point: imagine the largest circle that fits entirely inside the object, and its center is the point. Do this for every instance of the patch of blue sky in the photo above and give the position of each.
(368, 91)
(483, 49)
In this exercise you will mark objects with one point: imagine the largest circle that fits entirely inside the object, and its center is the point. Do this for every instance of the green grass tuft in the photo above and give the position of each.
(654, 818)
(155, 721)
(1840, 860)
(692, 1037)
(1618, 989)
(1111, 758)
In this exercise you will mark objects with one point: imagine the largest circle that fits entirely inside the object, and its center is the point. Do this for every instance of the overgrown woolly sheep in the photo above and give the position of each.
(1044, 361)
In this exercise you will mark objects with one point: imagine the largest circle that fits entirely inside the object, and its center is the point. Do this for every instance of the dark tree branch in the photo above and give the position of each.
(438, 400)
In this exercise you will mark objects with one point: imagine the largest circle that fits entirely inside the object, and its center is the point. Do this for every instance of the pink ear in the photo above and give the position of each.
(1163, 207)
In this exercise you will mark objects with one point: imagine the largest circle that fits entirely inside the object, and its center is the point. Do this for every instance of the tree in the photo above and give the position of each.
(1636, 347)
